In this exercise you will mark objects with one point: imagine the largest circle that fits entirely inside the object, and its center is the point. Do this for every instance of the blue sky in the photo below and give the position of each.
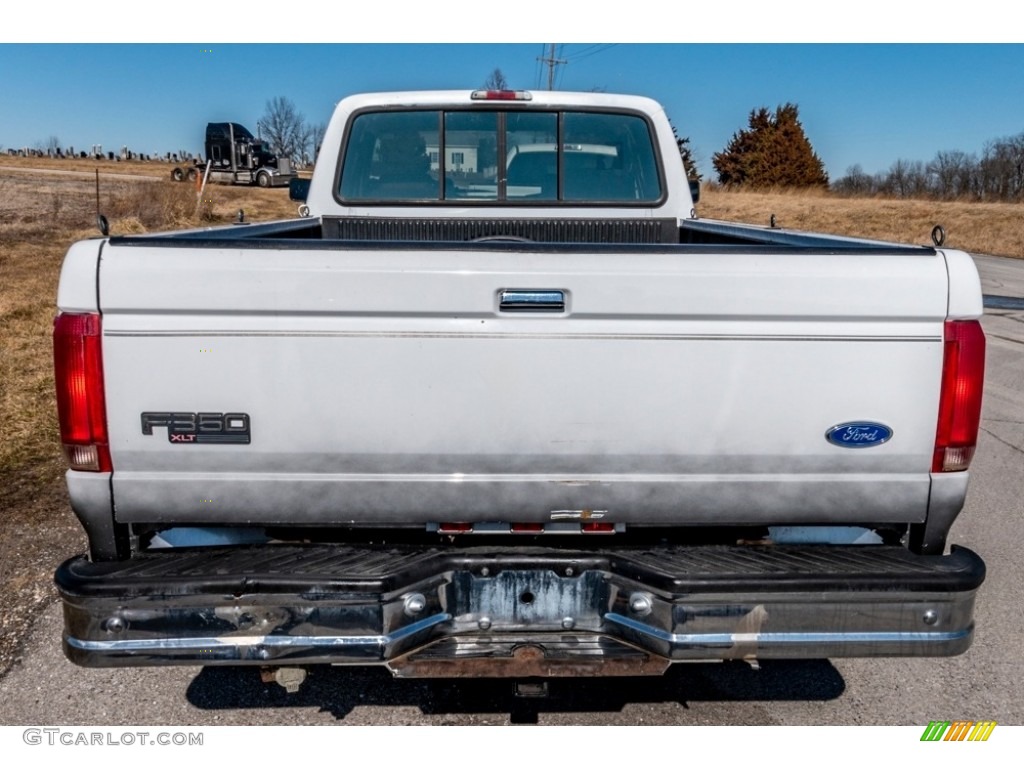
(866, 103)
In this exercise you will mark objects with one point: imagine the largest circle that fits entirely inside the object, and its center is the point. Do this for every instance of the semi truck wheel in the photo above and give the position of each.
(177, 175)
(263, 179)
(192, 174)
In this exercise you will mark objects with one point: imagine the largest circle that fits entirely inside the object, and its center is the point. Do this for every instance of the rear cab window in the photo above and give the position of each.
(499, 156)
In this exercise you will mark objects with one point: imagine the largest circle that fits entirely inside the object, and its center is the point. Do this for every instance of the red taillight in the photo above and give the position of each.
(78, 371)
(597, 527)
(963, 379)
(501, 96)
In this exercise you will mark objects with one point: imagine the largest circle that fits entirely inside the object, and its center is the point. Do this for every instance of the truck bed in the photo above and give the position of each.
(540, 232)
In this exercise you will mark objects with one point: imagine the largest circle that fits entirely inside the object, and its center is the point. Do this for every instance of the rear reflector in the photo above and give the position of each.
(527, 527)
(455, 528)
(963, 380)
(78, 373)
(597, 527)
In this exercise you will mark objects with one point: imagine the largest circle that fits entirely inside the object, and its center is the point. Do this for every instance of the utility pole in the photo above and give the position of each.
(552, 62)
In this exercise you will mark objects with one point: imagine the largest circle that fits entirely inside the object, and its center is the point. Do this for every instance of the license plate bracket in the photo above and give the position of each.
(533, 599)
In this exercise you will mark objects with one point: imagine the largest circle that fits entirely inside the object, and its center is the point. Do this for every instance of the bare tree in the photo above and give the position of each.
(496, 81)
(316, 138)
(998, 174)
(855, 182)
(897, 179)
(905, 178)
(1001, 169)
(285, 128)
(953, 173)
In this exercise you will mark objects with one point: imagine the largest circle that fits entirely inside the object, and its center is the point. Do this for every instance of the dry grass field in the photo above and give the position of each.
(989, 228)
(41, 214)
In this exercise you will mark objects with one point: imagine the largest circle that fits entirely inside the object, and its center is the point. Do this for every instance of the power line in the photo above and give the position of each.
(552, 62)
(561, 73)
(588, 49)
(591, 50)
(540, 68)
(552, 56)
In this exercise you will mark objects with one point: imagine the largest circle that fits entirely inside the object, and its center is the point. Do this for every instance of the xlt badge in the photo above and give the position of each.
(199, 427)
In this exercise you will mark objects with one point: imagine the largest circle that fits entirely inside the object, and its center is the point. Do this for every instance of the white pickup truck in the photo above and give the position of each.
(499, 403)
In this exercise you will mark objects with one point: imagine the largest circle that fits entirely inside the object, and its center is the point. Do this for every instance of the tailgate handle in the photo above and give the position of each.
(532, 301)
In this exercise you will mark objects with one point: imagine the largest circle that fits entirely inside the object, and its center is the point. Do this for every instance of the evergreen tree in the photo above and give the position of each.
(686, 153)
(772, 151)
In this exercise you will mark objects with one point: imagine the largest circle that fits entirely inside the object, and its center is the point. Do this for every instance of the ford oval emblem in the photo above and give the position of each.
(858, 434)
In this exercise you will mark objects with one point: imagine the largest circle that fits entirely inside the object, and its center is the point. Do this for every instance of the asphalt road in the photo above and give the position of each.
(984, 683)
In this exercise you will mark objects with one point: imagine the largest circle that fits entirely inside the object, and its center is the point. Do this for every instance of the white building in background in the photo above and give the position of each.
(460, 153)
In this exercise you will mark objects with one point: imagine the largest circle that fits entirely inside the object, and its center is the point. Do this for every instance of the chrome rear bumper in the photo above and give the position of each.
(516, 612)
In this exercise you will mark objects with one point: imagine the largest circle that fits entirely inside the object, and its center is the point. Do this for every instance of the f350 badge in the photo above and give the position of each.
(858, 434)
(232, 428)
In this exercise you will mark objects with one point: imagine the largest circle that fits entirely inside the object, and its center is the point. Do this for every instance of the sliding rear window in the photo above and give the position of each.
(508, 157)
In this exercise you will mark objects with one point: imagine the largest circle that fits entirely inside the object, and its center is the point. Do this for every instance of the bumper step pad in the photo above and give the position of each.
(515, 611)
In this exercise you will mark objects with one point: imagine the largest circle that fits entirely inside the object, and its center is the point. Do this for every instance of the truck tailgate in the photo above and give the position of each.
(386, 385)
